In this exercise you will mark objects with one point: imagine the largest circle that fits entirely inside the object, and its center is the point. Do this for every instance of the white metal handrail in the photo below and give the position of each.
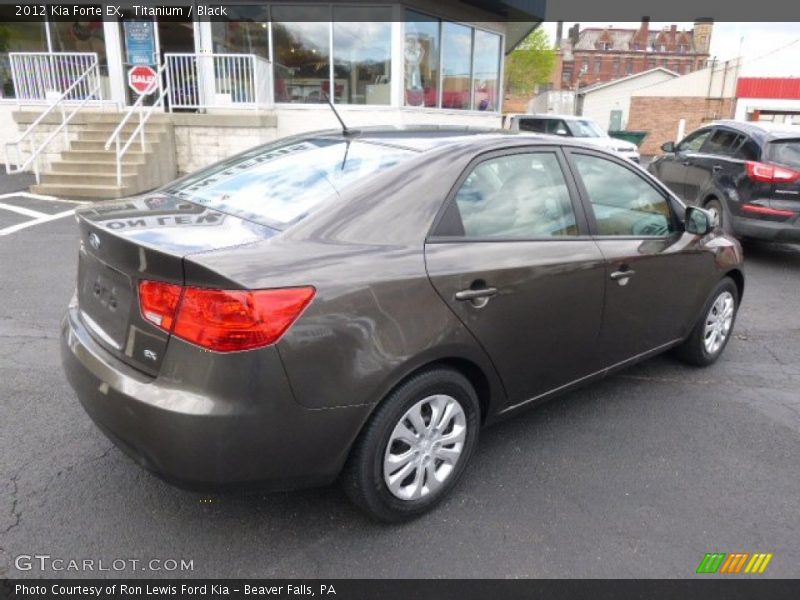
(80, 83)
(37, 76)
(200, 81)
(144, 115)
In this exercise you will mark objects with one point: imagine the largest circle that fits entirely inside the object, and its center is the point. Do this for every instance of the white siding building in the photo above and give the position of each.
(609, 103)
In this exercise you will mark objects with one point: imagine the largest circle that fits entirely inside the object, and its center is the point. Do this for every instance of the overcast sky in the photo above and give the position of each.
(768, 49)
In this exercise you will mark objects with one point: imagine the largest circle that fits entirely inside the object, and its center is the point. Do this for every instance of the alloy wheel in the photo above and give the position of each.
(424, 447)
(718, 322)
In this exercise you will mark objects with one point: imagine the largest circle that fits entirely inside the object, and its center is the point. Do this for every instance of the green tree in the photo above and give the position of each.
(530, 63)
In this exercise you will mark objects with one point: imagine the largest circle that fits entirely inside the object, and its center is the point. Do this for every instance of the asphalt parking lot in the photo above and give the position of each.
(636, 476)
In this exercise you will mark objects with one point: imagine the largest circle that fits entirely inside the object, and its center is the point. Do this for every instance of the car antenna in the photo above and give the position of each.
(345, 131)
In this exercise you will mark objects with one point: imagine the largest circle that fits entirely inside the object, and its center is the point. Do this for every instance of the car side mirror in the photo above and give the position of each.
(668, 147)
(698, 221)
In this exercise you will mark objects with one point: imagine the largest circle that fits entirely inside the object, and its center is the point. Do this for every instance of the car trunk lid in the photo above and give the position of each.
(145, 238)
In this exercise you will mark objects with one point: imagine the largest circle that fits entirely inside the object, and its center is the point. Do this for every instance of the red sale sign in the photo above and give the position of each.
(142, 79)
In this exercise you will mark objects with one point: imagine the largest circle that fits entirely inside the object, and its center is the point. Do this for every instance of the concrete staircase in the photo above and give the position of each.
(87, 171)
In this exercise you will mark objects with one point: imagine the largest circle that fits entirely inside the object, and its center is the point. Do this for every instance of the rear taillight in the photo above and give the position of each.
(159, 302)
(223, 320)
(765, 173)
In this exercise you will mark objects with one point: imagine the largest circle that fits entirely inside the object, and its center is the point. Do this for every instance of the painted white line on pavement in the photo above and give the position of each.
(40, 197)
(39, 221)
(34, 214)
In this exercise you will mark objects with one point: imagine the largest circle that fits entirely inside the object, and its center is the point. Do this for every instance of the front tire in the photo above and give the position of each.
(415, 447)
(713, 331)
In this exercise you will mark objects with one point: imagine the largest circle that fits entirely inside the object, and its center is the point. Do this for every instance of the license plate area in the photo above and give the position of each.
(105, 296)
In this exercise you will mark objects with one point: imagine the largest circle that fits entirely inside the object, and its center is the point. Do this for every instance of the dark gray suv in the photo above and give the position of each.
(746, 174)
(360, 304)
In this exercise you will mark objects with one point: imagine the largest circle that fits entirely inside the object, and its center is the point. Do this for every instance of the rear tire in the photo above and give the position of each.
(415, 447)
(713, 330)
(715, 207)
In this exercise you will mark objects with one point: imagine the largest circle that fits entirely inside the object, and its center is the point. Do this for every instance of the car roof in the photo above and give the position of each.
(426, 138)
(762, 130)
(422, 138)
(551, 116)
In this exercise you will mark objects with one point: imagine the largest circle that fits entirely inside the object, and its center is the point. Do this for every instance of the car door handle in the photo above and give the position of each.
(476, 294)
(716, 168)
(686, 163)
(617, 275)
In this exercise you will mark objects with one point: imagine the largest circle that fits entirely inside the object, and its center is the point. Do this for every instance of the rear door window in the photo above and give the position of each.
(280, 183)
(723, 142)
(518, 196)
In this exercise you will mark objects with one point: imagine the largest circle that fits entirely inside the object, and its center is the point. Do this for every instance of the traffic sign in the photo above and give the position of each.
(142, 79)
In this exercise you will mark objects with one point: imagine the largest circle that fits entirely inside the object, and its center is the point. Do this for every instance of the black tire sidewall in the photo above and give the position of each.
(386, 418)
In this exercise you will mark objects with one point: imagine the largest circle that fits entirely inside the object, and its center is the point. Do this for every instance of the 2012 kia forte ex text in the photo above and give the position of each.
(356, 305)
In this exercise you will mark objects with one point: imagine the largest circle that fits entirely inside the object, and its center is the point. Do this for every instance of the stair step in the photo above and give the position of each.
(104, 179)
(96, 192)
(131, 156)
(102, 136)
(99, 146)
(91, 167)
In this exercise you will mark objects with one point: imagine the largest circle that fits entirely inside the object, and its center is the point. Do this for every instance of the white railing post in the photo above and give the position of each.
(40, 67)
(202, 81)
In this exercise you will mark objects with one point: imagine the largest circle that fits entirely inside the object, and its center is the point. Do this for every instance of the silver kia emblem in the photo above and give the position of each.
(94, 241)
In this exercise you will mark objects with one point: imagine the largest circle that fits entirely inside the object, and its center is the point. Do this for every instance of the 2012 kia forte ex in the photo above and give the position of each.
(357, 305)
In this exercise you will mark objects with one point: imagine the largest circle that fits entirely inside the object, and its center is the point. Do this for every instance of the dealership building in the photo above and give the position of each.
(206, 89)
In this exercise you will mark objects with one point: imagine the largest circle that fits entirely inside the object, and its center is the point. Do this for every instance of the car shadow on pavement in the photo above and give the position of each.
(786, 255)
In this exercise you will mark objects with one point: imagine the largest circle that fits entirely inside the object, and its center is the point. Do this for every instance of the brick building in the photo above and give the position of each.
(595, 55)
(669, 109)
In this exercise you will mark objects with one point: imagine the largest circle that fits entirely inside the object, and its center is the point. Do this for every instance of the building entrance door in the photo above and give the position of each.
(144, 42)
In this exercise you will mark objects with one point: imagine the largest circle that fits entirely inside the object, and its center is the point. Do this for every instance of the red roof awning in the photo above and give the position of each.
(768, 87)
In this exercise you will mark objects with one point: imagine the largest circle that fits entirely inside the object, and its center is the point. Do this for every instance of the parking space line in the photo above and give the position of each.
(41, 197)
(39, 221)
(34, 214)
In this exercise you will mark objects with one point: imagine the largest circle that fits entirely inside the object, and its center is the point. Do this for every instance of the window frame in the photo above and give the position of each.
(574, 196)
(739, 139)
(676, 207)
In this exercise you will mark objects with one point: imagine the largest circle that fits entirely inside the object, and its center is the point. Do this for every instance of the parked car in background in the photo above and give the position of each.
(570, 126)
(747, 174)
(360, 304)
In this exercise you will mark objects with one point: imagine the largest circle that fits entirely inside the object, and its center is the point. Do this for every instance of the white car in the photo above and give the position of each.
(570, 126)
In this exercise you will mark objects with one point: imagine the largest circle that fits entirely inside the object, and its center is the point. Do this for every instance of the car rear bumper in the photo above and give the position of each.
(765, 230)
(227, 432)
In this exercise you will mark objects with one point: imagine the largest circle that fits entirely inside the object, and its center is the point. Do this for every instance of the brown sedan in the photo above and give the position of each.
(358, 305)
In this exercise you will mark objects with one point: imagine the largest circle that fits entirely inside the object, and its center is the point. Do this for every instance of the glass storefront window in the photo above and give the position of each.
(362, 55)
(486, 66)
(301, 46)
(244, 31)
(456, 65)
(80, 36)
(18, 37)
(421, 54)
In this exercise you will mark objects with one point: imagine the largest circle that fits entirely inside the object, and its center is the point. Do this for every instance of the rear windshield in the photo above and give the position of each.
(784, 152)
(278, 184)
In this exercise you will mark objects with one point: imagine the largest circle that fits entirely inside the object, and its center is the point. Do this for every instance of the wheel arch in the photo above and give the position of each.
(738, 279)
